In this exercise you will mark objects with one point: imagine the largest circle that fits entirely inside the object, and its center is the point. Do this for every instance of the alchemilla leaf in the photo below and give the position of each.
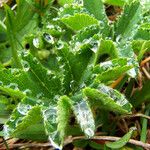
(73, 68)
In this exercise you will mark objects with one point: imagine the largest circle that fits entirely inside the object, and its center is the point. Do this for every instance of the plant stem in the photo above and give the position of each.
(5, 143)
(136, 115)
(113, 85)
(145, 61)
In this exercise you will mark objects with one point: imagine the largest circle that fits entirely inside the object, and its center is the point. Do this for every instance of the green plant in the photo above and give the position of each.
(63, 63)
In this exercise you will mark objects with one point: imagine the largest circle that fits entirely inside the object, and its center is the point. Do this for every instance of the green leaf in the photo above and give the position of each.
(84, 117)
(121, 142)
(86, 33)
(63, 2)
(65, 57)
(143, 134)
(129, 20)
(44, 83)
(26, 121)
(50, 124)
(141, 95)
(73, 65)
(12, 92)
(10, 24)
(64, 114)
(96, 8)
(71, 9)
(1, 134)
(106, 47)
(23, 18)
(107, 98)
(140, 47)
(142, 34)
(48, 82)
(79, 21)
(116, 2)
(111, 70)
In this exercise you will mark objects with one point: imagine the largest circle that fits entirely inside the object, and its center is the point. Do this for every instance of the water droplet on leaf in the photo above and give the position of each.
(23, 108)
(13, 86)
(48, 38)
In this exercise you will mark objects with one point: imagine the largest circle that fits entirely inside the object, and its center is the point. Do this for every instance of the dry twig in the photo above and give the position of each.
(27, 145)
(113, 85)
(113, 138)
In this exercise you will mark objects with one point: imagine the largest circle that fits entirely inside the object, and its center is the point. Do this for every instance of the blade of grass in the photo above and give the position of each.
(144, 128)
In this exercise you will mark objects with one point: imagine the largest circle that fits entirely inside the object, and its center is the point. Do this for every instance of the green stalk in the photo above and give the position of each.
(144, 128)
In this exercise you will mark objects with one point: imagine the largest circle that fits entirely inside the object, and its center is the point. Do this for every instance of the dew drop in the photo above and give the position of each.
(27, 92)
(24, 53)
(58, 58)
(60, 45)
(23, 108)
(39, 96)
(1, 83)
(56, 97)
(26, 66)
(94, 47)
(36, 42)
(13, 86)
(50, 115)
(66, 15)
(89, 132)
(14, 71)
(118, 38)
(12, 118)
(35, 60)
(48, 38)
(49, 72)
(50, 27)
(66, 6)
(18, 121)
(72, 84)
(83, 85)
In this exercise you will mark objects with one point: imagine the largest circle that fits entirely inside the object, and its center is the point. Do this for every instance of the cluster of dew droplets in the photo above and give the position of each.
(79, 2)
(85, 118)
(134, 71)
(15, 120)
(116, 96)
(50, 116)
(7, 131)
(15, 71)
(76, 8)
(106, 65)
(55, 28)
(95, 44)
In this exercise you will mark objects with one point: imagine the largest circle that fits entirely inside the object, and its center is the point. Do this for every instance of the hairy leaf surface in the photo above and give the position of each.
(107, 98)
